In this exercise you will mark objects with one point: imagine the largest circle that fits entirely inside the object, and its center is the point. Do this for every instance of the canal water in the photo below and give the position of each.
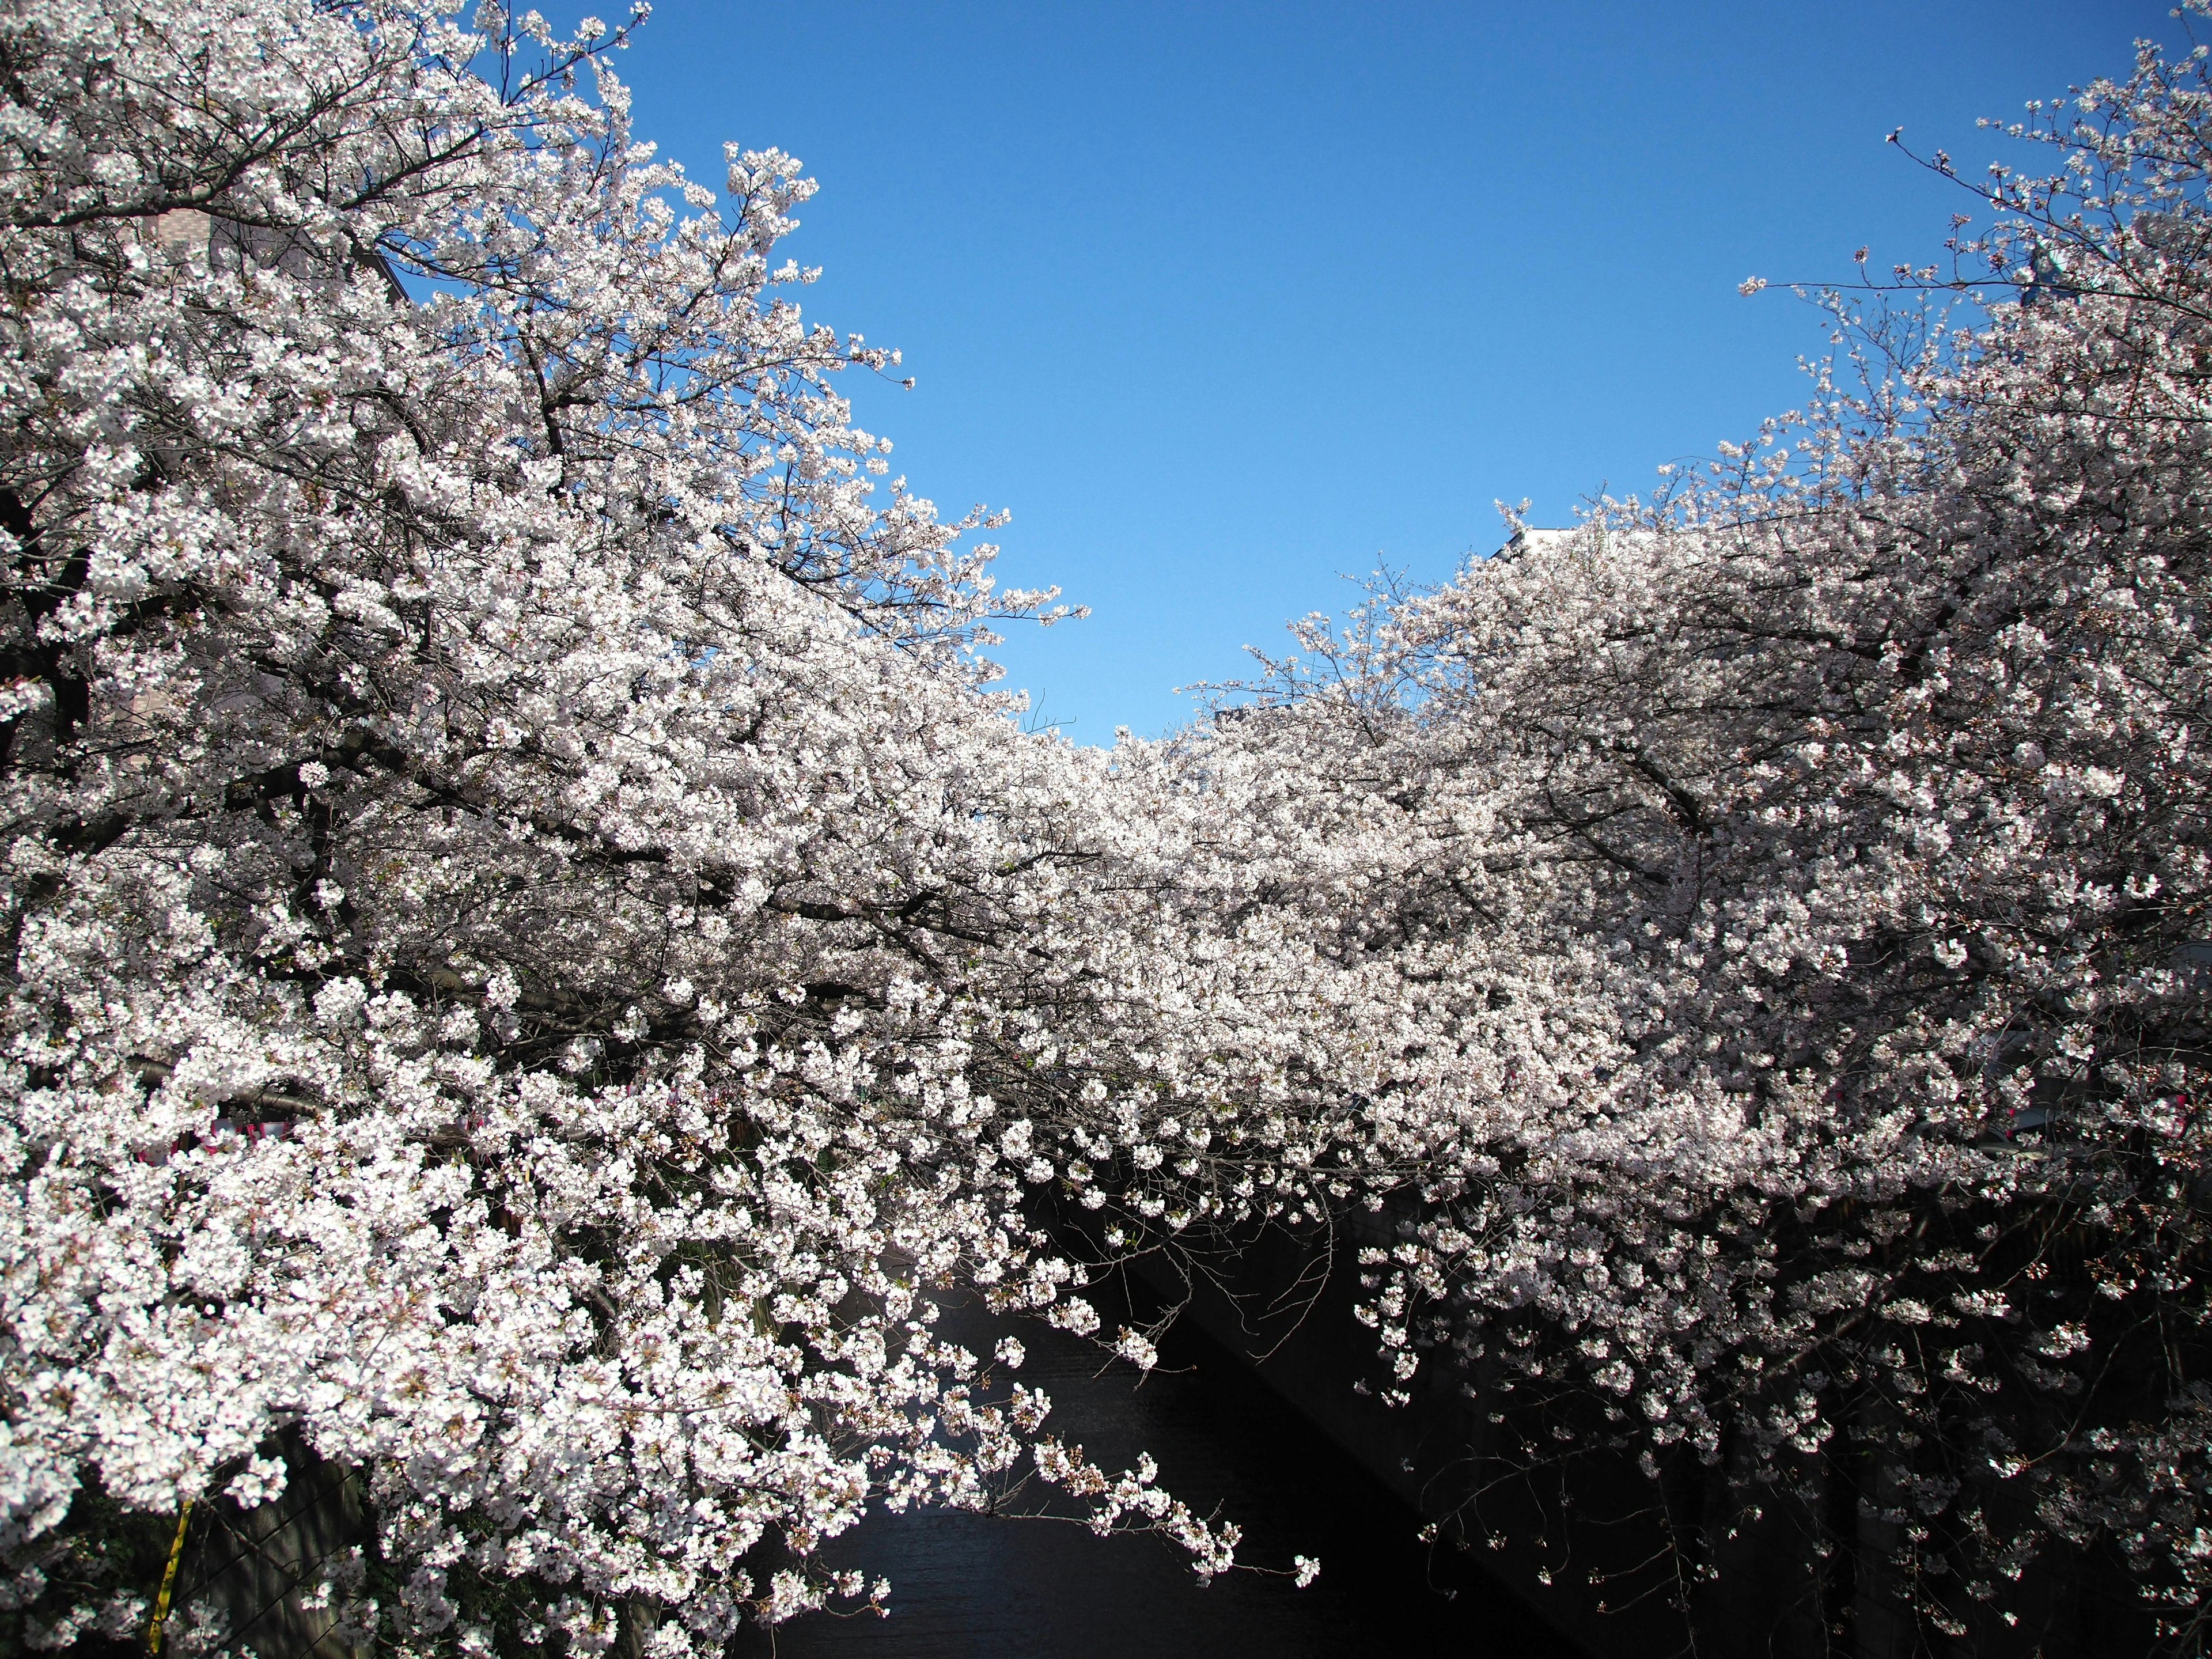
(981, 1587)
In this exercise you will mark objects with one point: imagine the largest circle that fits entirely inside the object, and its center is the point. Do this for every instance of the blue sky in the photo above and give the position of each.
(1228, 302)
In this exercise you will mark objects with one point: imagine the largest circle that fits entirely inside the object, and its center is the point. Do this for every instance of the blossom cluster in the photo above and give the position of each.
(514, 875)
(1767, 924)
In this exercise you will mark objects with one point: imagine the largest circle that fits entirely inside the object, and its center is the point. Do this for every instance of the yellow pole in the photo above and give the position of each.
(168, 1580)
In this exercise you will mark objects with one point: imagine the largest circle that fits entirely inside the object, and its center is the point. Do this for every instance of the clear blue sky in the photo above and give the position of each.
(1226, 302)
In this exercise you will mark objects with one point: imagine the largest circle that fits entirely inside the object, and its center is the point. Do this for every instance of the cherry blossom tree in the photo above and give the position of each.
(517, 889)
(1777, 918)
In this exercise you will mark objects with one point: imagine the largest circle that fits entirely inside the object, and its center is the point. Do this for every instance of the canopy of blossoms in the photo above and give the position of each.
(537, 957)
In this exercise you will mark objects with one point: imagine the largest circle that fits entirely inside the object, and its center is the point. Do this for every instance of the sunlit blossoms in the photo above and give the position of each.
(508, 855)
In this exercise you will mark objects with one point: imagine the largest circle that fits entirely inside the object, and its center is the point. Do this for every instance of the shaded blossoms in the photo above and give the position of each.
(538, 959)
(1769, 927)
